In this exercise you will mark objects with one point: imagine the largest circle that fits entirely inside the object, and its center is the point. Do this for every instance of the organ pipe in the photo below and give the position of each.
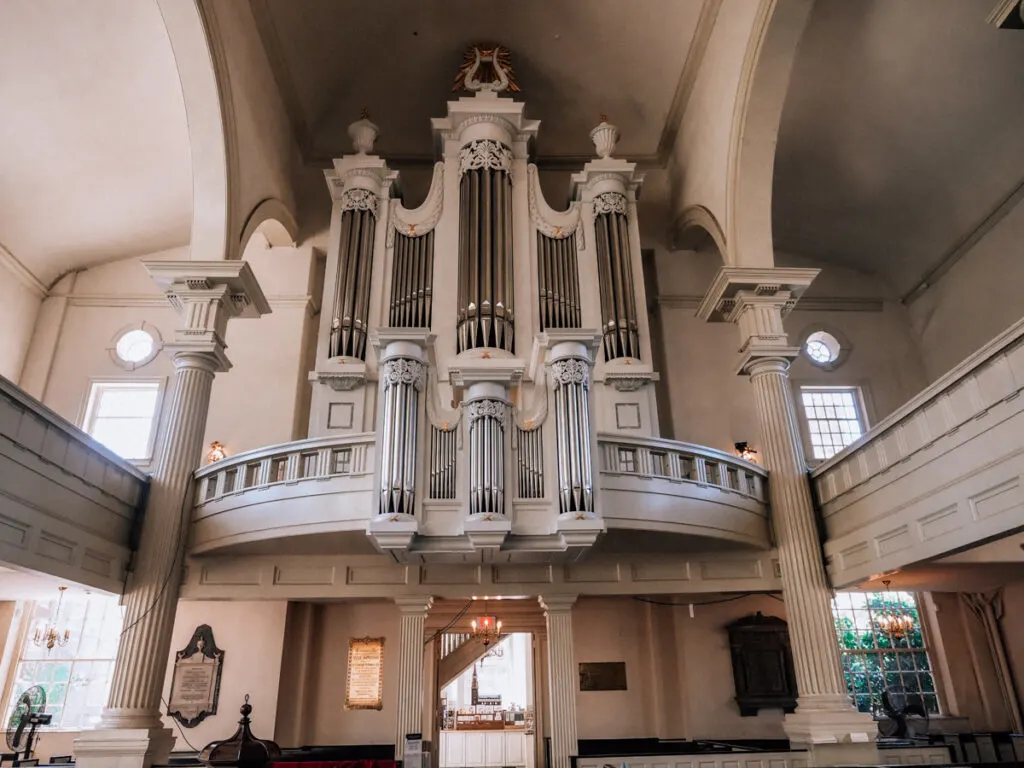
(615, 275)
(572, 427)
(530, 461)
(412, 281)
(558, 278)
(442, 462)
(402, 379)
(485, 312)
(355, 264)
(487, 456)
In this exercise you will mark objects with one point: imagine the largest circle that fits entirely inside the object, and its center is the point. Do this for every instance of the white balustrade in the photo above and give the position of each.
(683, 462)
(305, 460)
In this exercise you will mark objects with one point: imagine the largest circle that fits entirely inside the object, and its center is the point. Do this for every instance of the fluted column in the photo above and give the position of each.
(825, 719)
(206, 294)
(410, 669)
(402, 375)
(561, 678)
(570, 370)
(808, 595)
(143, 651)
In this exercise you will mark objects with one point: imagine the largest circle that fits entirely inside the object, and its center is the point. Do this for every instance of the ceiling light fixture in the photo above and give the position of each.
(51, 636)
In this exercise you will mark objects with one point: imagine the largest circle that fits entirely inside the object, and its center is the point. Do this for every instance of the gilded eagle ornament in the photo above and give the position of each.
(486, 68)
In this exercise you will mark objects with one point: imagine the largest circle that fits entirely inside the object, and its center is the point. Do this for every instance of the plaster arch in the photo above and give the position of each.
(764, 82)
(194, 57)
(272, 219)
(696, 229)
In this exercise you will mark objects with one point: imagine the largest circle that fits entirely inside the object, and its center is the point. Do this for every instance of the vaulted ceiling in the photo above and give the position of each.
(574, 61)
(94, 153)
(900, 136)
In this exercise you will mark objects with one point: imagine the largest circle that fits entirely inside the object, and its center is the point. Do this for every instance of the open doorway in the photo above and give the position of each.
(488, 696)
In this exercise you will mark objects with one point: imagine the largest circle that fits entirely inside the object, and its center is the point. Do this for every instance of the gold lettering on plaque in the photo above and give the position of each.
(364, 681)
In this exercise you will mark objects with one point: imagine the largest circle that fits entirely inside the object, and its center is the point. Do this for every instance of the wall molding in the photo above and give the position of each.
(281, 301)
(22, 273)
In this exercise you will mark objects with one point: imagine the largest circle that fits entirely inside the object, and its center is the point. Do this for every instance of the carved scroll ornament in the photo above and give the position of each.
(403, 370)
(358, 199)
(570, 371)
(610, 202)
(485, 153)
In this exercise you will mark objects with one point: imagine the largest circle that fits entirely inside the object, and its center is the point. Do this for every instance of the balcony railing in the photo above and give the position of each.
(941, 473)
(681, 462)
(322, 485)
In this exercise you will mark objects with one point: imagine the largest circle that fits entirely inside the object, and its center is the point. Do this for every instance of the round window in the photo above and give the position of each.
(822, 348)
(135, 347)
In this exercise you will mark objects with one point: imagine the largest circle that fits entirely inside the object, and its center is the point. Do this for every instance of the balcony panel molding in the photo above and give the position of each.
(941, 473)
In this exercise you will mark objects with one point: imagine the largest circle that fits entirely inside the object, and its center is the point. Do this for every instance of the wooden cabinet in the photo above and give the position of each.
(485, 749)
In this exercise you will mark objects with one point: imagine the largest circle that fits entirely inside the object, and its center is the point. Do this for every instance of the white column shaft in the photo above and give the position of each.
(144, 647)
(807, 593)
(562, 682)
(410, 671)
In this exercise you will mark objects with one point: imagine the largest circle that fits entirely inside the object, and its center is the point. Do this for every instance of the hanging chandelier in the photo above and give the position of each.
(894, 621)
(487, 628)
(51, 636)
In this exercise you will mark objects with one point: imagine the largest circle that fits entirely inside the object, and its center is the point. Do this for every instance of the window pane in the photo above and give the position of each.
(876, 631)
(121, 416)
(77, 676)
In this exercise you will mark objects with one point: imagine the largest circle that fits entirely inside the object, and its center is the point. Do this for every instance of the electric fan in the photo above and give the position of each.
(28, 715)
(906, 715)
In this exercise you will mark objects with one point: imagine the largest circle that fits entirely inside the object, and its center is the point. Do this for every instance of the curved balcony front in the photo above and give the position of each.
(317, 497)
(664, 485)
(305, 488)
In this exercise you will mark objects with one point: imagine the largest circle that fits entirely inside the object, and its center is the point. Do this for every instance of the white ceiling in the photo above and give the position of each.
(901, 132)
(573, 61)
(94, 152)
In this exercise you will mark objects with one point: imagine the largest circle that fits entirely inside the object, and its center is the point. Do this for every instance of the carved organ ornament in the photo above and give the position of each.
(423, 334)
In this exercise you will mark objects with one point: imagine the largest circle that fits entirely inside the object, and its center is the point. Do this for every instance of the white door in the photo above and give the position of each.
(474, 754)
(494, 756)
(515, 749)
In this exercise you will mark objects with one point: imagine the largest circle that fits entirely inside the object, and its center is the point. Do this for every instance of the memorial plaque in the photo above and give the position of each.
(603, 676)
(364, 682)
(195, 684)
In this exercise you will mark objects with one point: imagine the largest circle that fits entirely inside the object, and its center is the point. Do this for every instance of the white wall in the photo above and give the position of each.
(252, 637)
(678, 670)
(975, 300)
(19, 306)
(711, 405)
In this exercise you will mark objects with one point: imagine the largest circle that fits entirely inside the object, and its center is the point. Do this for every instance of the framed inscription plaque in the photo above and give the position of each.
(603, 676)
(195, 684)
(364, 682)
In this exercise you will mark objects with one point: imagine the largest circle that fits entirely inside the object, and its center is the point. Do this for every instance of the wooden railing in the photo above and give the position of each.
(289, 463)
(672, 460)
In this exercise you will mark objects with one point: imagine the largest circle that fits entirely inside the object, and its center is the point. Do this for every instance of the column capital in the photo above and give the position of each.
(207, 294)
(757, 300)
(557, 603)
(414, 605)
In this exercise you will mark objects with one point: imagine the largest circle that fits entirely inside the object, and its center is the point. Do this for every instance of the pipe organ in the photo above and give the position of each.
(485, 419)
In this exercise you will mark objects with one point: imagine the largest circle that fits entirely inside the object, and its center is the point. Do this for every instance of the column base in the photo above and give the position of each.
(832, 732)
(123, 747)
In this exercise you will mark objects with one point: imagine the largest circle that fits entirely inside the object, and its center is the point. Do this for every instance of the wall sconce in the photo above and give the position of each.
(216, 453)
(745, 452)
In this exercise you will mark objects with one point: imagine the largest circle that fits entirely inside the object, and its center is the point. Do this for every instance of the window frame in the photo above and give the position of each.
(22, 627)
(861, 402)
(931, 653)
(141, 325)
(86, 410)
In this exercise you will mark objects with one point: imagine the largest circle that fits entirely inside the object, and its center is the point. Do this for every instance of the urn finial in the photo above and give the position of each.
(363, 133)
(604, 135)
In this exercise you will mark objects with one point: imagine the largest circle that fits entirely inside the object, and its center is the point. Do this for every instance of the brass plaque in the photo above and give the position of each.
(364, 681)
(603, 676)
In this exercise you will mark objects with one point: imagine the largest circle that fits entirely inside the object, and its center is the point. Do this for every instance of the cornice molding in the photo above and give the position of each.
(812, 304)
(22, 273)
(160, 300)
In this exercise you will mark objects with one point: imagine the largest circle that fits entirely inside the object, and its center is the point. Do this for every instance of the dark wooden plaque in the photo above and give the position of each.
(762, 664)
(195, 683)
(603, 676)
